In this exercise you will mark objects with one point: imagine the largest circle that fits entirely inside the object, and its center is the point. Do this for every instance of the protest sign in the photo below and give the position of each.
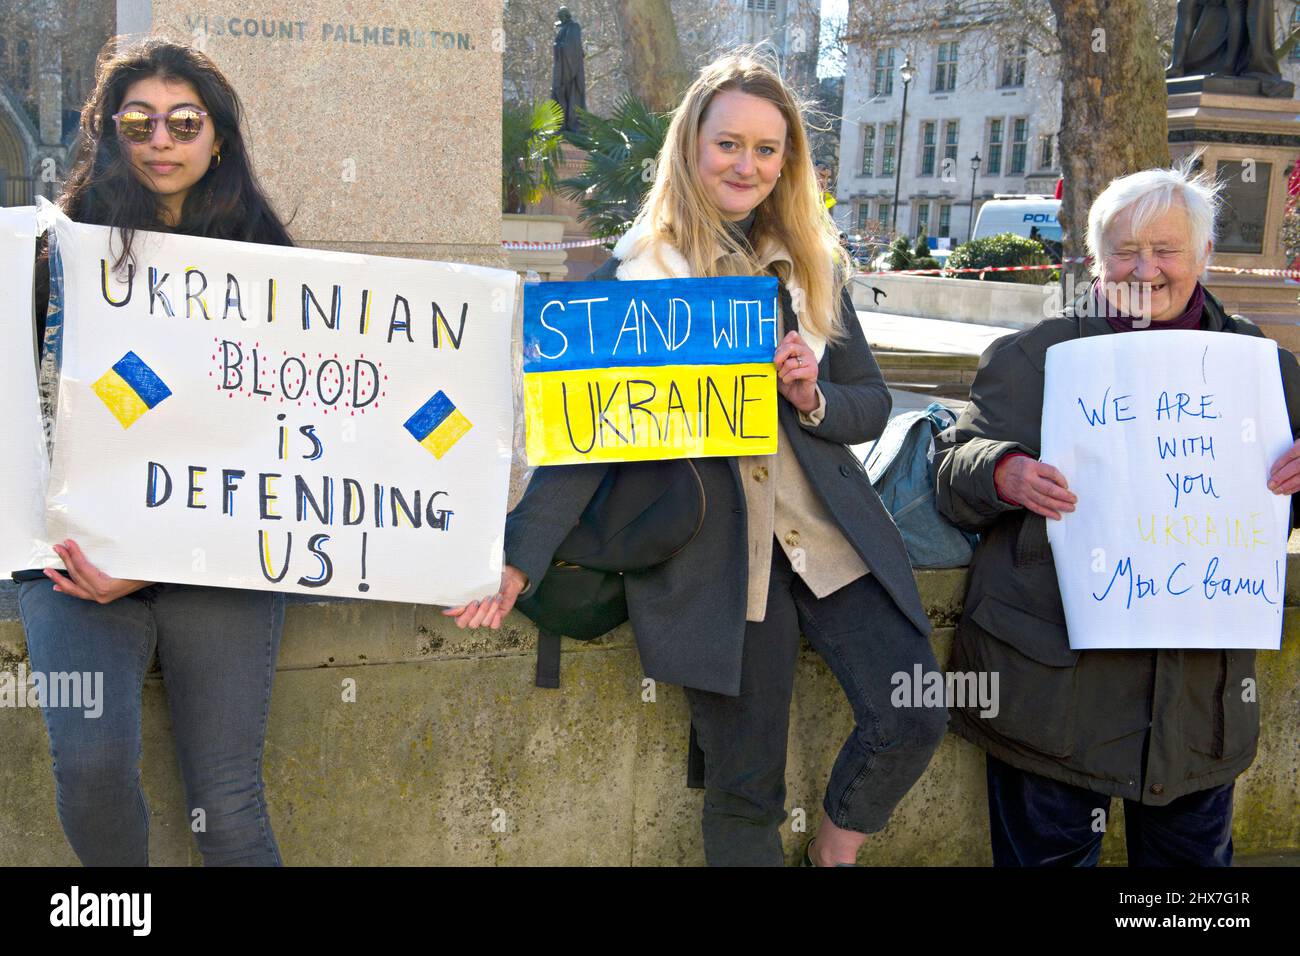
(262, 417)
(1167, 438)
(638, 370)
(23, 467)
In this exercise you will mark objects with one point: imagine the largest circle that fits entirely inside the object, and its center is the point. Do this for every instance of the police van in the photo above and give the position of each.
(1034, 217)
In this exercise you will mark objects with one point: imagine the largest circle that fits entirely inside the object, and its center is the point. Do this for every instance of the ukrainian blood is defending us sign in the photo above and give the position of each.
(254, 416)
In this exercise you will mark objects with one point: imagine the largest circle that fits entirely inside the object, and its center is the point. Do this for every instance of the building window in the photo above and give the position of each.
(945, 68)
(887, 151)
(22, 67)
(1014, 54)
(884, 216)
(761, 6)
(882, 83)
(945, 220)
(1295, 24)
(993, 165)
(950, 146)
(1019, 145)
(928, 143)
(1045, 151)
(869, 150)
(922, 219)
(864, 217)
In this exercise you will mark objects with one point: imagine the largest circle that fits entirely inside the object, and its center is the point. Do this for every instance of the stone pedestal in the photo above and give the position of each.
(583, 260)
(547, 263)
(375, 126)
(1252, 143)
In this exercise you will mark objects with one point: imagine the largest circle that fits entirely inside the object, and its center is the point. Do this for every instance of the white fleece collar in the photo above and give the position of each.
(636, 250)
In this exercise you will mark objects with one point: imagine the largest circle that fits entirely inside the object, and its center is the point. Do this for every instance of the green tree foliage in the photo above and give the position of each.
(1005, 249)
(904, 255)
(622, 152)
(530, 152)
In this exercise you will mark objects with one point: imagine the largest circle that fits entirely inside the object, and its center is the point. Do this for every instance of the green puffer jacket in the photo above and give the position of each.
(1081, 717)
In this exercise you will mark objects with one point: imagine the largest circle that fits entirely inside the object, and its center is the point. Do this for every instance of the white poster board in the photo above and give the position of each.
(253, 416)
(23, 466)
(1167, 438)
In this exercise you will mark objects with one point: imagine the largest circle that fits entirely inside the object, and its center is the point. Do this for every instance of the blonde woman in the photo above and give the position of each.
(793, 543)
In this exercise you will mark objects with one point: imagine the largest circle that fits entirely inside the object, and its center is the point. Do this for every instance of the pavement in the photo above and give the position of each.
(907, 333)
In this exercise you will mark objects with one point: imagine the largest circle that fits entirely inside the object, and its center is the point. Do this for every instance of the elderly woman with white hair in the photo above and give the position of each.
(1165, 730)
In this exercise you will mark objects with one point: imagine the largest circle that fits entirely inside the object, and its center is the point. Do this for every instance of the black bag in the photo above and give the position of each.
(641, 515)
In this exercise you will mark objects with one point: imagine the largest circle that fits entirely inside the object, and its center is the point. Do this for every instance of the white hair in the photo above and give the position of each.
(1150, 194)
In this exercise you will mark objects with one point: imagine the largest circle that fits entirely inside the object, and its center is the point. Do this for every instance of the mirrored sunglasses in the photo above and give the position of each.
(183, 123)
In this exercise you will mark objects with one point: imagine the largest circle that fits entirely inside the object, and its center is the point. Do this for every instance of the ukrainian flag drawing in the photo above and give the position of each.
(130, 388)
(438, 424)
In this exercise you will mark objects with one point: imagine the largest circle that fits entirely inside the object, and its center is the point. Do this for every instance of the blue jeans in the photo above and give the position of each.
(1037, 821)
(217, 649)
(865, 639)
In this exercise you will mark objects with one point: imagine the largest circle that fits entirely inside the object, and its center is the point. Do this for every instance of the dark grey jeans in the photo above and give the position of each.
(862, 636)
(217, 648)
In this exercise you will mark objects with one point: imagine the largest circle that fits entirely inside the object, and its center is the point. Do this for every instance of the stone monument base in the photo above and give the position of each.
(582, 261)
(1232, 86)
(1250, 143)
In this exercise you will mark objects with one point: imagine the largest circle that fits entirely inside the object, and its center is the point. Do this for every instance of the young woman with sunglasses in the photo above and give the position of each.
(797, 542)
(161, 150)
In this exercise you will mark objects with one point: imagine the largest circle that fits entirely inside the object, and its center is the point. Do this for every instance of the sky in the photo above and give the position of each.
(832, 10)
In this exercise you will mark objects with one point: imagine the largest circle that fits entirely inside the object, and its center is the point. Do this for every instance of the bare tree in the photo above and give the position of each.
(652, 54)
(1113, 119)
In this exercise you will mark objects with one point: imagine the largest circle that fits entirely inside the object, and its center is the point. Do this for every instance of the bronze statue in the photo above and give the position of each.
(568, 80)
(1230, 41)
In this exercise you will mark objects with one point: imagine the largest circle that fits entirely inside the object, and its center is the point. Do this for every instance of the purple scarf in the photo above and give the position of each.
(1119, 322)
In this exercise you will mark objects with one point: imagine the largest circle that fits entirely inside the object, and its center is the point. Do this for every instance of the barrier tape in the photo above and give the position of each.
(1231, 270)
(925, 272)
(572, 244)
(1271, 273)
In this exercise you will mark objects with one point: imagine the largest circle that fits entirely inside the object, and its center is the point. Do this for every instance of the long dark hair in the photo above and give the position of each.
(102, 189)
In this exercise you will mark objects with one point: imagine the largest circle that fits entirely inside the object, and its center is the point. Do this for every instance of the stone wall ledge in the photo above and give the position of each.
(447, 736)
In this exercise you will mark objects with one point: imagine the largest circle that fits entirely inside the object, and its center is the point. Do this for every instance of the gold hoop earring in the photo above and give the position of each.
(217, 157)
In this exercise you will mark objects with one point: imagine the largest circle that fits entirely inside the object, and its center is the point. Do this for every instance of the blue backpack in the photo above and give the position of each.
(901, 467)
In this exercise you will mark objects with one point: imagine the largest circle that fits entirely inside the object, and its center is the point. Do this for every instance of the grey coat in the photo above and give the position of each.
(1081, 717)
(689, 613)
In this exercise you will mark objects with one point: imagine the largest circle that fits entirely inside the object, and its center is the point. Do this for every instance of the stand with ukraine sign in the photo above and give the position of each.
(641, 370)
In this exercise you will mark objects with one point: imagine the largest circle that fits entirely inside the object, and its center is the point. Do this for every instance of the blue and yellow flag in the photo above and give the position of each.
(129, 389)
(633, 371)
(438, 424)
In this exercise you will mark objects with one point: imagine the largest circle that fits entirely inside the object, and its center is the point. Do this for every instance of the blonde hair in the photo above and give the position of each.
(680, 212)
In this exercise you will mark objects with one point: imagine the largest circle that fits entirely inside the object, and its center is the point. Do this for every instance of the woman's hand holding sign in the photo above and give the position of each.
(491, 610)
(1284, 476)
(84, 580)
(1036, 486)
(796, 372)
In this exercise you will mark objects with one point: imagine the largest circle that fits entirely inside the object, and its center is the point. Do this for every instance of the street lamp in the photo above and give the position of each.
(907, 72)
(974, 171)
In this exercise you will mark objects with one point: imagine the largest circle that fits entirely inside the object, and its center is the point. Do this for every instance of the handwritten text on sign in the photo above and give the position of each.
(251, 416)
(668, 368)
(1167, 438)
